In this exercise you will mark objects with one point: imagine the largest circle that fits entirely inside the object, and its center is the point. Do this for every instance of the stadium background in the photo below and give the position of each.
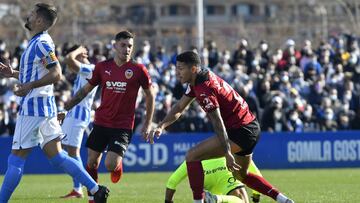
(304, 87)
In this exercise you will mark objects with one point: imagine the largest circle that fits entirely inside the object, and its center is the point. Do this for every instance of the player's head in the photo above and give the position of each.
(42, 17)
(188, 65)
(124, 43)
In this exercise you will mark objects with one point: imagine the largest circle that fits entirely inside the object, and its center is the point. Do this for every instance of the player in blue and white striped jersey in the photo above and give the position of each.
(78, 118)
(37, 123)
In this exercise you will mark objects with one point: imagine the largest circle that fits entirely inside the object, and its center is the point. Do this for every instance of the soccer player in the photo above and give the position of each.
(217, 180)
(236, 128)
(120, 79)
(37, 123)
(78, 118)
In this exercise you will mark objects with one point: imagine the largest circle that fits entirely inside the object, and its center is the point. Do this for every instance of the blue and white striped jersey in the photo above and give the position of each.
(83, 109)
(37, 57)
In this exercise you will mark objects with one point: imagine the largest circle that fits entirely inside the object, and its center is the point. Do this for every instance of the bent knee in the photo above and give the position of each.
(110, 166)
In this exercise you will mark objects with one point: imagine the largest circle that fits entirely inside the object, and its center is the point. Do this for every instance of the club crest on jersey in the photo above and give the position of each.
(129, 73)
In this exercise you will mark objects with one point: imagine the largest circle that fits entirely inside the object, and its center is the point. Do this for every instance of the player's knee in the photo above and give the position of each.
(93, 163)
(240, 175)
(191, 156)
(110, 166)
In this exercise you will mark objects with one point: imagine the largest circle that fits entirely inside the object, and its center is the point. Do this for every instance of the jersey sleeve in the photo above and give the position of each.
(189, 92)
(179, 175)
(145, 79)
(46, 53)
(208, 100)
(86, 70)
(94, 77)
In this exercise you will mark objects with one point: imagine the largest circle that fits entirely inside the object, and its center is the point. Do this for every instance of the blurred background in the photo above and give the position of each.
(296, 63)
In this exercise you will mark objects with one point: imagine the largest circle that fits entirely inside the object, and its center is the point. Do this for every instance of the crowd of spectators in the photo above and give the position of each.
(295, 88)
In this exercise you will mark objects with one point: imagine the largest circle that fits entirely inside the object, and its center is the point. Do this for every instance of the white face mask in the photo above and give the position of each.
(293, 117)
(146, 48)
(333, 97)
(264, 47)
(307, 114)
(348, 97)
(329, 116)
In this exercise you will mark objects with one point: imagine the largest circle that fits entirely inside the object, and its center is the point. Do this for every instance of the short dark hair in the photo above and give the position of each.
(47, 12)
(123, 35)
(71, 49)
(189, 58)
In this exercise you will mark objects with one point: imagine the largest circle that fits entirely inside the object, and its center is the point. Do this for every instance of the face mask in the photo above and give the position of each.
(293, 117)
(333, 97)
(264, 47)
(329, 116)
(285, 78)
(348, 97)
(307, 114)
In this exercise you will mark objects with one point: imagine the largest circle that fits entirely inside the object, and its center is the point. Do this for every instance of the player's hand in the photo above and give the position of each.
(156, 132)
(230, 162)
(67, 105)
(6, 70)
(83, 51)
(61, 116)
(145, 131)
(22, 90)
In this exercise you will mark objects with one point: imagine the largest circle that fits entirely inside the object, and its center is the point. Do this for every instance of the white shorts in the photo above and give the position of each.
(31, 131)
(74, 131)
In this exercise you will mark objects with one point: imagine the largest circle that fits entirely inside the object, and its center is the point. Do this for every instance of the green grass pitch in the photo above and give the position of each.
(321, 185)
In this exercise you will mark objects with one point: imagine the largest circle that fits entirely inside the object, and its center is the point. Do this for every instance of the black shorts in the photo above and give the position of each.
(116, 140)
(246, 137)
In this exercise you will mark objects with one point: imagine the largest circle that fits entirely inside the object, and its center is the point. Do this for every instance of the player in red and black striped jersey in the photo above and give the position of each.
(120, 80)
(237, 130)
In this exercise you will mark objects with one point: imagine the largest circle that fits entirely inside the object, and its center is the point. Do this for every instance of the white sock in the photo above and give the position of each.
(94, 189)
(281, 198)
(78, 189)
(198, 201)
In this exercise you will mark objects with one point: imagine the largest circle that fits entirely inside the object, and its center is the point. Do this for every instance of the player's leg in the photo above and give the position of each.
(253, 169)
(215, 198)
(51, 132)
(74, 132)
(96, 144)
(246, 138)
(25, 138)
(14, 172)
(207, 149)
(117, 146)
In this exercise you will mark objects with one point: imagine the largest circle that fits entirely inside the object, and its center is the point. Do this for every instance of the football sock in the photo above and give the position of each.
(196, 179)
(93, 172)
(12, 177)
(253, 169)
(281, 198)
(261, 185)
(77, 184)
(73, 168)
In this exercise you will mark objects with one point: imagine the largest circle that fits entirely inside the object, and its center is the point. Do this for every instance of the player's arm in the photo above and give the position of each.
(175, 179)
(150, 106)
(176, 111)
(73, 64)
(170, 117)
(220, 130)
(80, 95)
(51, 77)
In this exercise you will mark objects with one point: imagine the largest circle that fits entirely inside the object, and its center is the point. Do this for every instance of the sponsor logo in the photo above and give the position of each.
(129, 73)
(108, 72)
(116, 86)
